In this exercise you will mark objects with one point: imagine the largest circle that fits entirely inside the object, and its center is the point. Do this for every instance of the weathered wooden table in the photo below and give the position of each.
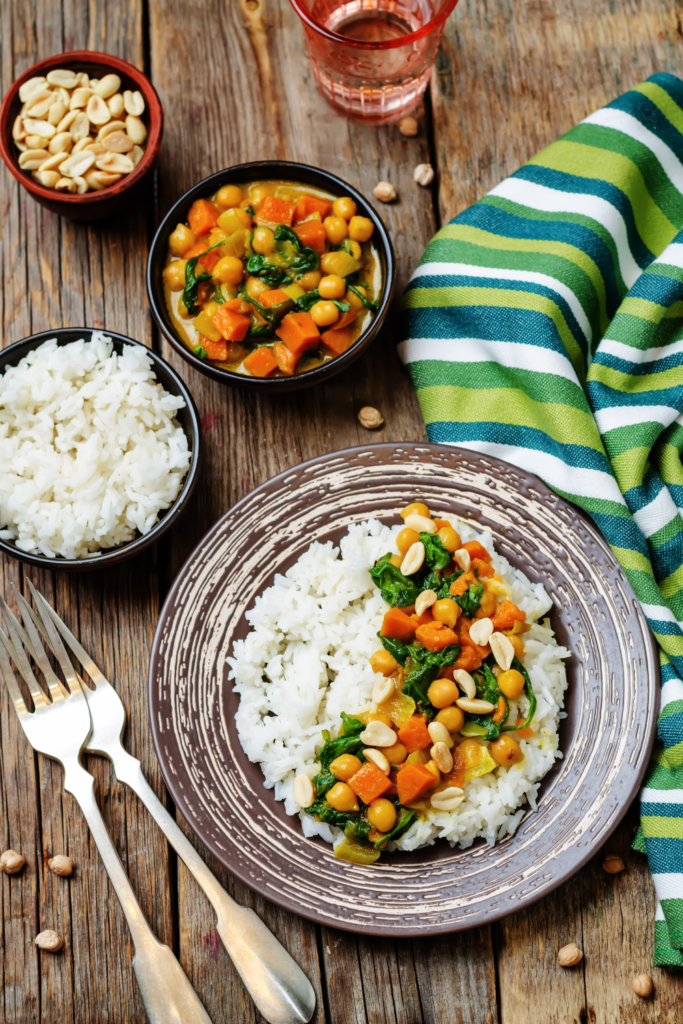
(236, 85)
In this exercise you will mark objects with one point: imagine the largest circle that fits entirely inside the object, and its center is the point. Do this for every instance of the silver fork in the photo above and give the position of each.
(276, 983)
(60, 729)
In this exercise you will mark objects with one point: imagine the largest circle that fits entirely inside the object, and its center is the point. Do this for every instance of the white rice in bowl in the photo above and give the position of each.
(90, 449)
(306, 660)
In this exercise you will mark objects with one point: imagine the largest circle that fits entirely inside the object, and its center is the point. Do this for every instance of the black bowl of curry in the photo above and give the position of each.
(271, 275)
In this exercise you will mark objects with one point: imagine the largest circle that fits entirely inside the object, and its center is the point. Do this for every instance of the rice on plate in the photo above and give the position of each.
(306, 660)
(90, 449)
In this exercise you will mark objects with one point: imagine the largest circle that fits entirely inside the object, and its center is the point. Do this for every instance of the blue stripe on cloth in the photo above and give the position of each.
(657, 810)
(639, 369)
(651, 117)
(670, 732)
(603, 397)
(656, 288)
(561, 181)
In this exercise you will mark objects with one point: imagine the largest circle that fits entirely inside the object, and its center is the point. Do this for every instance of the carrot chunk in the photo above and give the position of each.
(369, 783)
(345, 319)
(468, 659)
(412, 782)
(312, 234)
(338, 341)
(398, 626)
(200, 246)
(483, 569)
(273, 297)
(414, 734)
(261, 362)
(507, 615)
(477, 550)
(202, 216)
(216, 349)
(422, 620)
(299, 332)
(435, 636)
(232, 325)
(308, 205)
(276, 211)
(286, 360)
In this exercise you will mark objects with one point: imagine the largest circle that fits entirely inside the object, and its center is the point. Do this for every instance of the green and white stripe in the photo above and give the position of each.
(544, 325)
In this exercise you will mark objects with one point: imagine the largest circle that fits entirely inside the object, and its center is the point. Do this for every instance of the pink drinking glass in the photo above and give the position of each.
(372, 58)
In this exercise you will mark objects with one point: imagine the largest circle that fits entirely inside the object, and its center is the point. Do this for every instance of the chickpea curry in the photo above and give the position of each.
(449, 673)
(272, 279)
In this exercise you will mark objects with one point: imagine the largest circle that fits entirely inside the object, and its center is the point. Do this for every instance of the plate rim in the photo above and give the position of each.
(179, 797)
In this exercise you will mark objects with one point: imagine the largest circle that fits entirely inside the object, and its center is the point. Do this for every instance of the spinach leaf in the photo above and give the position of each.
(250, 210)
(433, 581)
(263, 331)
(530, 695)
(304, 302)
(397, 590)
(436, 556)
(307, 259)
(357, 831)
(349, 743)
(368, 303)
(471, 599)
(258, 266)
(399, 829)
(424, 669)
(217, 296)
(192, 282)
(285, 234)
(201, 352)
(487, 689)
(326, 813)
(400, 651)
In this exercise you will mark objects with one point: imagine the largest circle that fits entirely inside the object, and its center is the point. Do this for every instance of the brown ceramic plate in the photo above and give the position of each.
(611, 702)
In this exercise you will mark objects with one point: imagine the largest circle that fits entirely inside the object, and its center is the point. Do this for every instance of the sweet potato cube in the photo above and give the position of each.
(273, 297)
(338, 341)
(261, 362)
(369, 783)
(412, 782)
(232, 325)
(398, 626)
(435, 636)
(276, 211)
(309, 205)
(299, 333)
(202, 216)
(312, 234)
(286, 360)
(216, 349)
(414, 735)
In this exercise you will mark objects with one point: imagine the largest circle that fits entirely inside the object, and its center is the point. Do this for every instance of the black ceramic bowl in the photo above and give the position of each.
(187, 417)
(267, 170)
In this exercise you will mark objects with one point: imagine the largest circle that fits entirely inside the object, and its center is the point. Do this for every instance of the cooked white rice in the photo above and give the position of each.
(90, 450)
(306, 660)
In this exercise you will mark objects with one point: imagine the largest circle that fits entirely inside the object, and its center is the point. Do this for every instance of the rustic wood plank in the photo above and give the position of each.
(91, 275)
(507, 82)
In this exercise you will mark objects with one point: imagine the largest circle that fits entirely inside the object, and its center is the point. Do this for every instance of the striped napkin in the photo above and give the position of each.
(544, 325)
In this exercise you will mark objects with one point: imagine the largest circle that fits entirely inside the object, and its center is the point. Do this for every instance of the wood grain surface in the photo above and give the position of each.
(236, 85)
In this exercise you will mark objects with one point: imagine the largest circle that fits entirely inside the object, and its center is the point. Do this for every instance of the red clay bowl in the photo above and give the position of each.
(116, 198)
(264, 170)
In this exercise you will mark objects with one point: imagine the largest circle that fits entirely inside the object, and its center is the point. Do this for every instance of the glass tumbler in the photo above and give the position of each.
(372, 58)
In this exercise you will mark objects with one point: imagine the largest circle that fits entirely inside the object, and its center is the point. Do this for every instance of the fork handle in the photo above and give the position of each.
(276, 983)
(166, 991)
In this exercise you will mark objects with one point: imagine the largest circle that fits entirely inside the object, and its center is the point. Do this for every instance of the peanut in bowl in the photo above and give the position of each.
(271, 275)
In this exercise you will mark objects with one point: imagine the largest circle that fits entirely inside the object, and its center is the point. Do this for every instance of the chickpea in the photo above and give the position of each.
(431, 767)
(344, 766)
(257, 194)
(355, 250)
(511, 683)
(396, 560)
(342, 797)
(229, 196)
(383, 662)
(382, 814)
(174, 275)
(182, 239)
(506, 751)
(263, 241)
(395, 754)
(324, 313)
(255, 287)
(336, 229)
(450, 539)
(487, 605)
(380, 716)
(470, 752)
(310, 281)
(446, 611)
(361, 229)
(442, 693)
(229, 270)
(332, 287)
(417, 508)
(183, 312)
(344, 207)
(406, 539)
(353, 300)
(453, 718)
(516, 642)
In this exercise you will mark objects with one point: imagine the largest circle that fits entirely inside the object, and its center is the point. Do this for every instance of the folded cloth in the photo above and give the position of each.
(544, 325)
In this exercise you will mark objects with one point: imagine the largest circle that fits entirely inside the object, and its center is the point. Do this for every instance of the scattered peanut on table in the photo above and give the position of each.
(70, 134)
